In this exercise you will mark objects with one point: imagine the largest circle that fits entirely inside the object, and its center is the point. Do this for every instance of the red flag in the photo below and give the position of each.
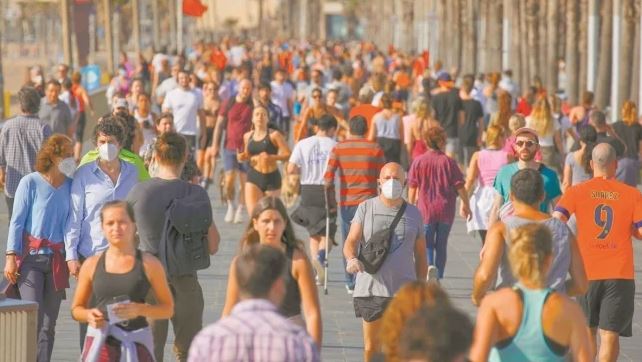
(193, 8)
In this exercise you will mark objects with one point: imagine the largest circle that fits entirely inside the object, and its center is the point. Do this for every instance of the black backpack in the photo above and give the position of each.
(373, 253)
(184, 246)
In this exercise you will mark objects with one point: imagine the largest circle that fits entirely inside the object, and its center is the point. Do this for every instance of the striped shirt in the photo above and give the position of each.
(254, 331)
(20, 140)
(359, 161)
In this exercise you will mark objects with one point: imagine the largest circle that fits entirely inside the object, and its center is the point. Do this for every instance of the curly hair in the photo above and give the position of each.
(55, 146)
(408, 300)
(434, 136)
(110, 126)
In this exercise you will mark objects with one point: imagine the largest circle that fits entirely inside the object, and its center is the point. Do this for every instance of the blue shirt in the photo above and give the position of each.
(90, 190)
(40, 210)
(551, 183)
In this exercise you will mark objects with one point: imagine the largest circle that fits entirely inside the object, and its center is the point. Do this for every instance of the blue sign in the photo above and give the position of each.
(90, 77)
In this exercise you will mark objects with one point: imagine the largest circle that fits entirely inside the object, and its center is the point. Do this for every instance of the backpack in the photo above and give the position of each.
(373, 253)
(184, 246)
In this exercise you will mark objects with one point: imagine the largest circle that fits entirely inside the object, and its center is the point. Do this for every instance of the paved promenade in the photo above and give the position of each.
(342, 340)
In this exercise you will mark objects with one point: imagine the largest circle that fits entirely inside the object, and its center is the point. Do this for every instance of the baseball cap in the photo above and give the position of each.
(120, 103)
(444, 77)
(526, 130)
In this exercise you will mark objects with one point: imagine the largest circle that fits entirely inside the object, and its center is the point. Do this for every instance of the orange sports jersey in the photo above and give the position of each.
(606, 211)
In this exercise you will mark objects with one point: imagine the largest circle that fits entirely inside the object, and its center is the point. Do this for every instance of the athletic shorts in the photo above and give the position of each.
(230, 162)
(264, 181)
(370, 308)
(452, 145)
(608, 305)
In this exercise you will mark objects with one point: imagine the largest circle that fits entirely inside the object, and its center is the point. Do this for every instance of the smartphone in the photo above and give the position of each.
(111, 315)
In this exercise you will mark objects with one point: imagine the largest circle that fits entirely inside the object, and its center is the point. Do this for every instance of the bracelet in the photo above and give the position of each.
(9, 253)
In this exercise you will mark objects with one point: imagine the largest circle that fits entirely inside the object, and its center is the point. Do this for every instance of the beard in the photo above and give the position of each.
(526, 156)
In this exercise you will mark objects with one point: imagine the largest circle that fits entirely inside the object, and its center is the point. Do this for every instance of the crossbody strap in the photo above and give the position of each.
(398, 216)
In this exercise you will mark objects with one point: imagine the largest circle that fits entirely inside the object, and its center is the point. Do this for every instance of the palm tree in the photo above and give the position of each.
(571, 51)
(603, 84)
(551, 45)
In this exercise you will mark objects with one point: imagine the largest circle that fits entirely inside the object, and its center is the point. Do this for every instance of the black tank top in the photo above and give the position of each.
(133, 285)
(264, 145)
(291, 305)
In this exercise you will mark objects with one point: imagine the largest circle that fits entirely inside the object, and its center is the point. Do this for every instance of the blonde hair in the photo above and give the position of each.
(494, 136)
(542, 117)
(423, 110)
(629, 113)
(531, 245)
(408, 300)
(515, 122)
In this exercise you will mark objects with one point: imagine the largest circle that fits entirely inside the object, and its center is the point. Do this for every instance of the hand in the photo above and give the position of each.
(214, 151)
(74, 268)
(95, 318)
(11, 269)
(354, 266)
(464, 211)
(128, 310)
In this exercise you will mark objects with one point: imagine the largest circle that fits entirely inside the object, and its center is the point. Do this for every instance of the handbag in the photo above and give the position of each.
(373, 253)
(8, 290)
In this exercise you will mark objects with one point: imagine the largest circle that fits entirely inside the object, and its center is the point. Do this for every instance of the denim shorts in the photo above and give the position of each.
(230, 163)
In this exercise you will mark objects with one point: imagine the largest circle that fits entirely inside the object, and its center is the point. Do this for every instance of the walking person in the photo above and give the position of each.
(110, 295)
(186, 104)
(630, 133)
(254, 329)
(309, 159)
(150, 200)
(449, 111)
(470, 132)
(577, 167)
(311, 116)
(434, 182)
(387, 130)
(548, 130)
(55, 112)
(271, 226)
(264, 148)
(211, 106)
(84, 105)
(35, 248)
(405, 261)
(530, 322)
(610, 213)
(357, 162)
(482, 170)
(20, 139)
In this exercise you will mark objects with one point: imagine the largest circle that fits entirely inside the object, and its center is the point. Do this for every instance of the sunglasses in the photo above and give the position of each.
(528, 144)
(316, 97)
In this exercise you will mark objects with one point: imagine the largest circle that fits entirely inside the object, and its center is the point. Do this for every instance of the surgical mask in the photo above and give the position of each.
(108, 151)
(67, 167)
(392, 189)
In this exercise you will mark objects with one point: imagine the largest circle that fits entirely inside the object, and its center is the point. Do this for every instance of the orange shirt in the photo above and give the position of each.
(366, 110)
(606, 211)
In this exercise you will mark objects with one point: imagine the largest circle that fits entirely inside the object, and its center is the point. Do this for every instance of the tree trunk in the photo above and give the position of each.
(603, 85)
(469, 38)
(542, 70)
(635, 74)
(455, 17)
(525, 80)
(531, 38)
(551, 45)
(571, 51)
(582, 44)
(494, 31)
(515, 56)
(626, 52)
(443, 30)
(561, 35)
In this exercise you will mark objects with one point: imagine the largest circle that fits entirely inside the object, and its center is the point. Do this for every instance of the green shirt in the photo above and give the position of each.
(124, 155)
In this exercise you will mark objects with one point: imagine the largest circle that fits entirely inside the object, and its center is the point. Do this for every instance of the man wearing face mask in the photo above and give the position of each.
(434, 182)
(406, 258)
(105, 179)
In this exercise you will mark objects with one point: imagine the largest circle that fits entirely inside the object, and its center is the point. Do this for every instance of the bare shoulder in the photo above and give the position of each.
(89, 265)
(150, 260)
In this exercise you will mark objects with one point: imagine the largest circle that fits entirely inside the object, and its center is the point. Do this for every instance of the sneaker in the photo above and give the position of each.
(238, 216)
(229, 216)
(320, 271)
(350, 291)
(433, 275)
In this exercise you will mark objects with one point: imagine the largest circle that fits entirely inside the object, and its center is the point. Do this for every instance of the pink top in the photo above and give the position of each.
(418, 148)
(508, 147)
(489, 162)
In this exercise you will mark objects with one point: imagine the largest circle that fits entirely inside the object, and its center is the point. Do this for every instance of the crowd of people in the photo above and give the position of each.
(312, 134)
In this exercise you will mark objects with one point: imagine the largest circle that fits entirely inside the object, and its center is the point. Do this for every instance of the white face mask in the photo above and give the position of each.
(108, 151)
(392, 189)
(67, 167)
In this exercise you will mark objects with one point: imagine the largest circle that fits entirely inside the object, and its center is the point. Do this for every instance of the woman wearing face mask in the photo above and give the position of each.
(434, 182)
(105, 179)
(35, 250)
(405, 261)
(270, 225)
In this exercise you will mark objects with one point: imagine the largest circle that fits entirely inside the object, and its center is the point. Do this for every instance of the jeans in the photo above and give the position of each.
(36, 284)
(347, 214)
(437, 244)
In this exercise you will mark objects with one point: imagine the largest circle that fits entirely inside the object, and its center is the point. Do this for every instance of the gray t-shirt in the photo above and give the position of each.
(579, 174)
(561, 253)
(57, 116)
(150, 199)
(399, 266)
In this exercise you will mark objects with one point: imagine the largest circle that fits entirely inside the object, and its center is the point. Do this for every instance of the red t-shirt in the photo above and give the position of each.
(366, 110)
(239, 121)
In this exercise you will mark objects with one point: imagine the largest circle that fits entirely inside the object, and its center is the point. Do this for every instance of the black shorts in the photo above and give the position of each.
(80, 126)
(370, 308)
(205, 140)
(264, 181)
(608, 305)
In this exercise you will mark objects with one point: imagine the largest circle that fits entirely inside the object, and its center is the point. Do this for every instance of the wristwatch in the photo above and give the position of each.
(10, 253)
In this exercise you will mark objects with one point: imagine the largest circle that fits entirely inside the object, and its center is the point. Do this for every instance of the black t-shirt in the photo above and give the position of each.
(631, 136)
(150, 199)
(603, 137)
(447, 106)
(468, 131)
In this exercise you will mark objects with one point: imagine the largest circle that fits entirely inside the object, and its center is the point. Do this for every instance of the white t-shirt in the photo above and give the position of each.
(547, 140)
(311, 156)
(184, 104)
(280, 95)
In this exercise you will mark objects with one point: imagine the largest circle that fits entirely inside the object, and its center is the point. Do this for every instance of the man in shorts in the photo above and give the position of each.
(405, 262)
(608, 214)
(235, 118)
